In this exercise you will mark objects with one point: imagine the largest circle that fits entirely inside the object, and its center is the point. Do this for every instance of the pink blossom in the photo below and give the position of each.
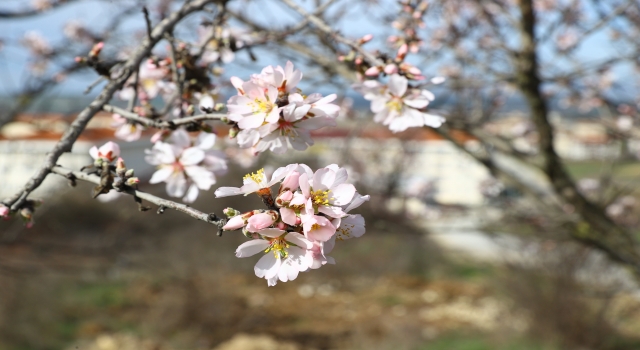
(317, 228)
(397, 106)
(109, 152)
(186, 169)
(126, 130)
(284, 258)
(256, 181)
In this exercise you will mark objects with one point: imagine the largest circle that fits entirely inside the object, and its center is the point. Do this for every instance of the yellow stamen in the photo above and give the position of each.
(320, 197)
(395, 104)
(257, 177)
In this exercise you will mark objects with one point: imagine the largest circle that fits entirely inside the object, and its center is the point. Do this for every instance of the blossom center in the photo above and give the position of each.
(262, 106)
(279, 248)
(395, 104)
(257, 177)
(320, 197)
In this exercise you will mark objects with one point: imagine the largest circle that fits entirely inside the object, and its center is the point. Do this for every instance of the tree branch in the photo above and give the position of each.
(160, 202)
(162, 124)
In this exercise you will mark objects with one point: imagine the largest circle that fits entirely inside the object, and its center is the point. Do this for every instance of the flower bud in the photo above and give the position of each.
(230, 212)
(372, 72)
(120, 167)
(366, 38)
(233, 132)
(281, 225)
(129, 173)
(218, 107)
(391, 69)
(290, 182)
(4, 211)
(26, 213)
(402, 52)
(234, 223)
(132, 181)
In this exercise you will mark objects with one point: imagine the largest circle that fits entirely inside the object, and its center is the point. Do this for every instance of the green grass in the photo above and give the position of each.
(477, 342)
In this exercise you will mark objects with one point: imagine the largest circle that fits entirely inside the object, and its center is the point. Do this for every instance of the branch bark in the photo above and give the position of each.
(160, 202)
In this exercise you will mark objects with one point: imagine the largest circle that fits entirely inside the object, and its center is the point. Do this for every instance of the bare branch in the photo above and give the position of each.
(320, 24)
(160, 202)
(162, 124)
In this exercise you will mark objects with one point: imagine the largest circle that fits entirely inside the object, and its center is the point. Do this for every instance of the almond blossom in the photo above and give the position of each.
(398, 106)
(185, 168)
(285, 254)
(107, 152)
(303, 223)
(271, 114)
(126, 130)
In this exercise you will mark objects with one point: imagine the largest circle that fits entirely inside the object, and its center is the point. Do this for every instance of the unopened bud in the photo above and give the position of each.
(132, 181)
(218, 107)
(233, 132)
(129, 173)
(402, 52)
(366, 38)
(281, 225)
(372, 71)
(26, 213)
(4, 211)
(120, 167)
(95, 51)
(230, 212)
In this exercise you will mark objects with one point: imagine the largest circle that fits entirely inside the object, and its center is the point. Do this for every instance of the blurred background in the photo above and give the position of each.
(475, 238)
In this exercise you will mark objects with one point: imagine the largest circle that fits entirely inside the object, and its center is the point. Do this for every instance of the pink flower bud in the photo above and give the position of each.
(234, 223)
(290, 182)
(402, 51)
(120, 164)
(358, 61)
(366, 38)
(259, 221)
(4, 211)
(281, 225)
(391, 69)
(372, 72)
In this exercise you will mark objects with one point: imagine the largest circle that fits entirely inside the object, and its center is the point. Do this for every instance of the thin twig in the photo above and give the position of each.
(160, 202)
(320, 24)
(162, 124)
(132, 101)
(147, 20)
(94, 84)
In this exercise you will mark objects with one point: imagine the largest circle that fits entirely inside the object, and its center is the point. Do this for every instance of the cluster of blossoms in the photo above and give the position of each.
(186, 166)
(103, 157)
(399, 106)
(270, 113)
(300, 227)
